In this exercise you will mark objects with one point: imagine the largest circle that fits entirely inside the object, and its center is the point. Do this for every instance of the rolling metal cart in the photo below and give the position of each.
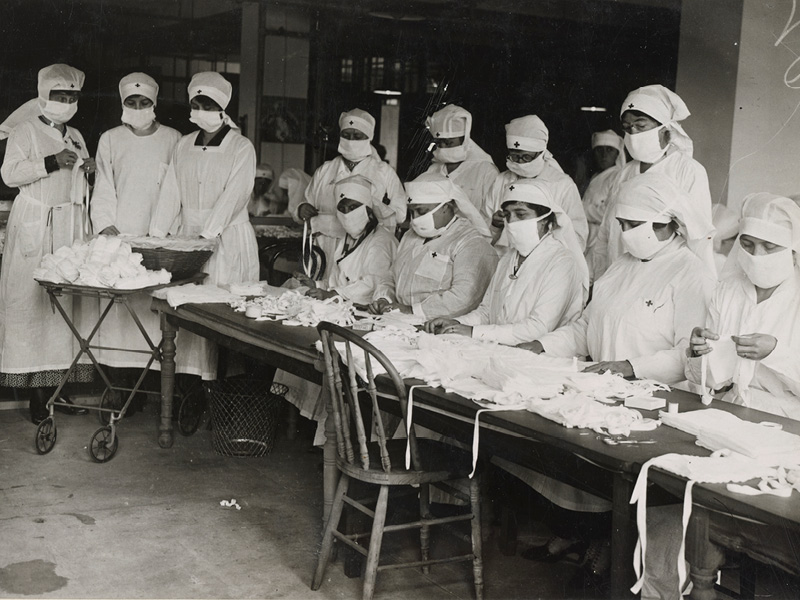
(104, 442)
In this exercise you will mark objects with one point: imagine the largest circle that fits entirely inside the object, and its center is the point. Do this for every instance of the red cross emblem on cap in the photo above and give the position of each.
(516, 144)
(341, 195)
(630, 105)
(351, 122)
(72, 85)
(438, 134)
(511, 189)
(137, 85)
(199, 91)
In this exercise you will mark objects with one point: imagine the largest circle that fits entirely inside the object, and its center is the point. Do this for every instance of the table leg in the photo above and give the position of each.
(330, 474)
(623, 538)
(168, 331)
(704, 556)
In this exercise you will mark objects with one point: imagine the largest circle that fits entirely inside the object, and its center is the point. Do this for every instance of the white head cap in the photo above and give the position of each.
(450, 122)
(354, 187)
(59, 77)
(212, 85)
(358, 119)
(435, 188)
(527, 133)
(264, 170)
(663, 105)
(138, 84)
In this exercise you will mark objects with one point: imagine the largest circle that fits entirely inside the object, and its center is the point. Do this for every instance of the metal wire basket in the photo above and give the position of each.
(244, 415)
(181, 263)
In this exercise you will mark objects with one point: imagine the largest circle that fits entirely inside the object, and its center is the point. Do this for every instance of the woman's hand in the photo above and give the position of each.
(66, 159)
(619, 367)
(438, 324)
(304, 279)
(499, 219)
(305, 211)
(89, 166)
(755, 346)
(319, 294)
(458, 329)
(534, 346)
(697, 342)
(380, 306)
(110, 230)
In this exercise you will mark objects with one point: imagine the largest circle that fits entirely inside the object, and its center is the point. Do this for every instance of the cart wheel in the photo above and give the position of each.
(101, 447)
(110, 399)
(192, 408)
(46, 434)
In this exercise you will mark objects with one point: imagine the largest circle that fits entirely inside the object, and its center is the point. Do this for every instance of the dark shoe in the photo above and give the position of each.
(37, 417)
(554, 550)
(597, 563)
(38, 405)
(67, 406)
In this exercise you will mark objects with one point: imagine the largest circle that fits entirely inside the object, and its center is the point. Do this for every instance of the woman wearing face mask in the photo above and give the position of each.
(528, 158)
(457, 156)
(755, 305)
(640, 316)
(366, 252)
(443, 265)
(46, 160)
(637, 325)
(132, 160)
(540, 285)
(357, 156)
(657, 143)
(205, 193)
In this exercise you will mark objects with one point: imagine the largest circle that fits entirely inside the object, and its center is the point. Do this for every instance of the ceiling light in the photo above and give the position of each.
(387, 92)
(594, 109)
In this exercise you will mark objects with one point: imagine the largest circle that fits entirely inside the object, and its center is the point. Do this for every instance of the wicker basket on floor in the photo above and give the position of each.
(181, 263)
(244, 415)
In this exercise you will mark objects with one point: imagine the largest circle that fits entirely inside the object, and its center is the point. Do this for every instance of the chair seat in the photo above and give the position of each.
(441, 461)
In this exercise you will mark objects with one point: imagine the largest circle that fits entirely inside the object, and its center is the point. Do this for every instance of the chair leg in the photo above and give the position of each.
(375, 539)
(477, 550)
(425, 530)
(330, 527)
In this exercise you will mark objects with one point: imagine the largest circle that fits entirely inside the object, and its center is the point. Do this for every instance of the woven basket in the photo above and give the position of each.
(244, 415)
(182, 264)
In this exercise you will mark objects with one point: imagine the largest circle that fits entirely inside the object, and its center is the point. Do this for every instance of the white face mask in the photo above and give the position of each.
(138, 119)
(424, 226)
(456, 154)
(355, 221)
(207, 120)
(354, 150)
(527, 170)
(645, 146)
(767, 270)
(641, 241)
(524, 235)
(59, 112)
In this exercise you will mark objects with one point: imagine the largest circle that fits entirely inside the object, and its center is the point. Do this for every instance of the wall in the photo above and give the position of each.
(708, 56)
(766, 126)
(285, 92)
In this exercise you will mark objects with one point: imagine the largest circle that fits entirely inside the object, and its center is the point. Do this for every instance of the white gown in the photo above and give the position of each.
(594, 205)
(130, 170)
(355, 276)
(321, 195)
(546, 294)
(441, 277)
(565, 194)
(205, 193)
(643, 312)
(475, 176)
(690, 176)
(774, 382)
(34, 338)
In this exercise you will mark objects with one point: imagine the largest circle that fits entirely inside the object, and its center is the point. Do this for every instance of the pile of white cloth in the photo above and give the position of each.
(105, 262)
(296, 309)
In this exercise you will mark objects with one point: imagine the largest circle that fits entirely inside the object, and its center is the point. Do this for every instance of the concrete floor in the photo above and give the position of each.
(148, 524)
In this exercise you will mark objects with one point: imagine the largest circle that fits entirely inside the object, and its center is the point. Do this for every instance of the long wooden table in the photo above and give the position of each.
(577, 457)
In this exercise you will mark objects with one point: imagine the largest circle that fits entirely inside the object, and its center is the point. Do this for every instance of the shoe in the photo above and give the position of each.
(544, 553)
(596, 563)
(37, 418)
(70, 408)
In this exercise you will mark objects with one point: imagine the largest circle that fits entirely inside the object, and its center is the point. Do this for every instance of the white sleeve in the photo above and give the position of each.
(104, 198)
(236, 194)
(569, 340)
(19, 166)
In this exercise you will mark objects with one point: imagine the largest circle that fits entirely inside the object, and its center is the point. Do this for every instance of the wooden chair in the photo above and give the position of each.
(382, 464)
